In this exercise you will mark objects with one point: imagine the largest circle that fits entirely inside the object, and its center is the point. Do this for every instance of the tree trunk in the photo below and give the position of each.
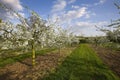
(33, 55)
(59, 49)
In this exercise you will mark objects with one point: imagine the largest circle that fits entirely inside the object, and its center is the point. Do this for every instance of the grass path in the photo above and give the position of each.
(82, 64)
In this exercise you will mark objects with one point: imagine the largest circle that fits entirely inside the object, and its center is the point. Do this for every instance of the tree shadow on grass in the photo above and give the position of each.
(22, 62)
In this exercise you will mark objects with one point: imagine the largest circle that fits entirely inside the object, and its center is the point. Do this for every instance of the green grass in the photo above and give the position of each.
(82, 64)
(10, 60)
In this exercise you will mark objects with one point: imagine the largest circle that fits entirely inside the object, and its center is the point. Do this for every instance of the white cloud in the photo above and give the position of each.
(100, 2)
(13, 4)
(68, 17)
(58, 11)
(71, 1)
(90, 24)
(75, 7)
(94, 4)
(88, 28)
(59, 5)
(75, 13)
(89, 14)
(65, 17)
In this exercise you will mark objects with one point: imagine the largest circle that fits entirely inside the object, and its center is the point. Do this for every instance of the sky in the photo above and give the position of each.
(79, 16)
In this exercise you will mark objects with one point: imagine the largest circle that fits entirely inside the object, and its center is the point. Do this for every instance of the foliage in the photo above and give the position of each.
(111, 45)
(114, 36)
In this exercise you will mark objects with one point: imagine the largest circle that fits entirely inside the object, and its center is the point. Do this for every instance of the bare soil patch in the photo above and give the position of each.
(109, 57)
(23, 70)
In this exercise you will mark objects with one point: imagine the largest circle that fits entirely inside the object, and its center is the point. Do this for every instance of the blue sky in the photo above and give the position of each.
(103, 11)
(80, 15)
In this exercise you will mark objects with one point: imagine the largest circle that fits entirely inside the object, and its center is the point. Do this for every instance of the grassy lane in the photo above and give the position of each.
(82, 64)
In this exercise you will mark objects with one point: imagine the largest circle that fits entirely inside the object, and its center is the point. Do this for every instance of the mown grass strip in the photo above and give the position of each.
(82, 64)
(21, 57)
